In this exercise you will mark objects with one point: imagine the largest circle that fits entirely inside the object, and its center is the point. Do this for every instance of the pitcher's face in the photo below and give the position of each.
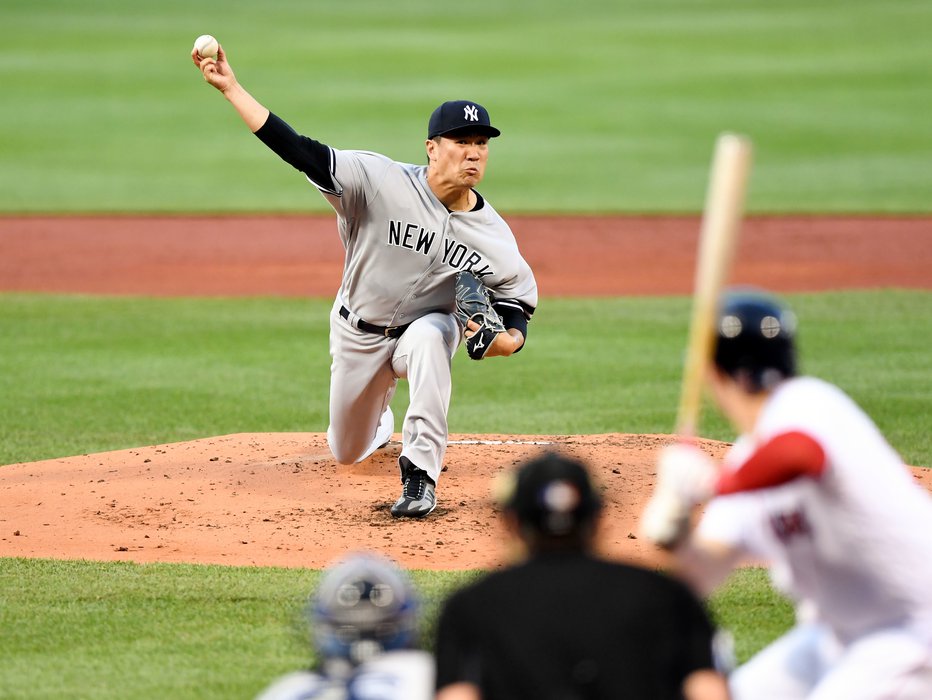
(459, 159)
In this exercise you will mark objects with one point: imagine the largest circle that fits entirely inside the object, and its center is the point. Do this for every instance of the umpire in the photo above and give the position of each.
(564, 623)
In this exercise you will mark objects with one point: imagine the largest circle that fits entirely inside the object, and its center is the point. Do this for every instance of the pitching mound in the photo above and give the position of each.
(280, 499)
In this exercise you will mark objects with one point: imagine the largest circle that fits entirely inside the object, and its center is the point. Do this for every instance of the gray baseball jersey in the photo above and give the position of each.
(403, 249)
(403, 246)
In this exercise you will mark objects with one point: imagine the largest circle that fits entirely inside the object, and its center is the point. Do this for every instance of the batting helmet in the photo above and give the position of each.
(755, 338)
(365, 605)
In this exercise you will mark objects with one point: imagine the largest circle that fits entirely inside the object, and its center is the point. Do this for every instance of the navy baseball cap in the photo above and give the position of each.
(459, 115)
(552, 494)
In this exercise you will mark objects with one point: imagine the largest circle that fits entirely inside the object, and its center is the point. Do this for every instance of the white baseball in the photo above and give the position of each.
(206, 46)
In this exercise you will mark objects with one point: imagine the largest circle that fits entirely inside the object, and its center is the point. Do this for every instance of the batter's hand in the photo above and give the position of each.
(687, 471)
(685, 478)
(505, 344)
(216, 71)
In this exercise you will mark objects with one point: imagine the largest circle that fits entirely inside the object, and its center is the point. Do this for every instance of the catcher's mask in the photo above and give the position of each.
(365, 605)
(755, 338)
(552, 495)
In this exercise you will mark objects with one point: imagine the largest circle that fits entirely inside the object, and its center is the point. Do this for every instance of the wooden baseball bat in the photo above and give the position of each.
(718, 238)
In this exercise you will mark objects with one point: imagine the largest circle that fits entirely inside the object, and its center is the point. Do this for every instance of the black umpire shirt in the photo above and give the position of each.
(567, 626)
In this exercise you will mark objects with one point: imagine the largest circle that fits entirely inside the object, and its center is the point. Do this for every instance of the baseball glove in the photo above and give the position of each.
(473, 303)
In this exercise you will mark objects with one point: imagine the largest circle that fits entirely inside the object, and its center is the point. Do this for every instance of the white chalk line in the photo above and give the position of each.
(500, 442)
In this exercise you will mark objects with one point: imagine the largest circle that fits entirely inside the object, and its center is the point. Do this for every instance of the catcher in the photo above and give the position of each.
(363, 621)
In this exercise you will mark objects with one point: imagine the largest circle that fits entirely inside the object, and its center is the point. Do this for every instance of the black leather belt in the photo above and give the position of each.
(387, 331)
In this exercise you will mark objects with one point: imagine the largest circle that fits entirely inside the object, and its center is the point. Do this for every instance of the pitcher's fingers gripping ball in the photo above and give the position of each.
(206, 46)
(209, 58)
(473, 303)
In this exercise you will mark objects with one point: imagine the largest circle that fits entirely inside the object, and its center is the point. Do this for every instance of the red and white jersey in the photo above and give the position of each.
(851, 534)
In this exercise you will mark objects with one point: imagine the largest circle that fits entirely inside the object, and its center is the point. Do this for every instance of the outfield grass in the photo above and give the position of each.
(115, 630)
(82, 374)
(613, 105)
(89, 374)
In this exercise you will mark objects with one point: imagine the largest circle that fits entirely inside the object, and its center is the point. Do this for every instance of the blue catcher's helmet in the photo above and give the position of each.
(365, 605)
(755, 338)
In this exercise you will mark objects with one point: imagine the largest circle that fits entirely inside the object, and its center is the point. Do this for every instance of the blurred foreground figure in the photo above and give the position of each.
(364, 624)
(811, 488)
(564, 623)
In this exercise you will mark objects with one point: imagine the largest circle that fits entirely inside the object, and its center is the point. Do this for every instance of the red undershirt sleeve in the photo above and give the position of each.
(783, 458)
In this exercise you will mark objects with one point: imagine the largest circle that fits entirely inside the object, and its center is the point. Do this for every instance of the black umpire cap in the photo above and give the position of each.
(460, 115)
(552, 495)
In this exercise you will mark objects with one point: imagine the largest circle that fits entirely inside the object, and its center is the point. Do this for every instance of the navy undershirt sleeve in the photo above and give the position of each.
(515, 314)
(305, 154)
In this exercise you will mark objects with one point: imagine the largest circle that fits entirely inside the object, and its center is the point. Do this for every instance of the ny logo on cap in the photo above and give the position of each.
(471, 113)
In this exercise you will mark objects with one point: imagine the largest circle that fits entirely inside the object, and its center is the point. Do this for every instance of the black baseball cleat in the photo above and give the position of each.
(417, 495)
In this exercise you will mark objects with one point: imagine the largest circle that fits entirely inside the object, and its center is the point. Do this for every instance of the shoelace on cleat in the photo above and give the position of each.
(414, 484)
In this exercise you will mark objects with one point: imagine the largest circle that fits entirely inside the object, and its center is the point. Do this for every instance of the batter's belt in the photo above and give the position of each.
(387, 331)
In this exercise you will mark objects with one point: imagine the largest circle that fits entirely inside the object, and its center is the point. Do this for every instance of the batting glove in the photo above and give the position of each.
(685, 477)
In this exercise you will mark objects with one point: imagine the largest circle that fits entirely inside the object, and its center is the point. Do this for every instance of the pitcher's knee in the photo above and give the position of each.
(344, 458)
(345, 452)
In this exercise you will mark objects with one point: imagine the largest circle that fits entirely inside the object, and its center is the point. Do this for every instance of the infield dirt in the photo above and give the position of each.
(279, 499)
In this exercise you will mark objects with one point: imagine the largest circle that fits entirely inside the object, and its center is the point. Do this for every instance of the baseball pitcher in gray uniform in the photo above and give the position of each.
(407, 230)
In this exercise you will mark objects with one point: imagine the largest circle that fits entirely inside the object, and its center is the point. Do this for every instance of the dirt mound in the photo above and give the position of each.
(279, 499)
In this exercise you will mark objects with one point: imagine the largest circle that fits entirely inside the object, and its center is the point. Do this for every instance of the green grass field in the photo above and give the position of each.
(608, 106)
(82, 374)
(612, 105)
(100, 631)
(87, 374)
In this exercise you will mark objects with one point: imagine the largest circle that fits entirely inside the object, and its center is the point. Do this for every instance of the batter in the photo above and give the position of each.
(407, 230)
(813, 489)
